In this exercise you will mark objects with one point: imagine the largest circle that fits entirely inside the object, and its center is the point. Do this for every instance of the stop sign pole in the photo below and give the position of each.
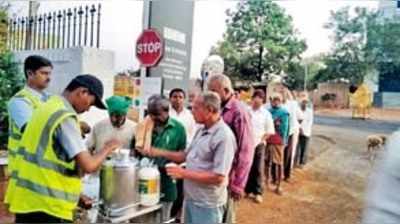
(143, 70)
(149, 54)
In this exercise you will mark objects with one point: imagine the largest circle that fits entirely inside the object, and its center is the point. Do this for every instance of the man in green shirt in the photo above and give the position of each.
(168, 135)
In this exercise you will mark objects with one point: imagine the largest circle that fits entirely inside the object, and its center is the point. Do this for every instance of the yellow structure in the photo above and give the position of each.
(126, 85)
(245, 96)
(361, 102)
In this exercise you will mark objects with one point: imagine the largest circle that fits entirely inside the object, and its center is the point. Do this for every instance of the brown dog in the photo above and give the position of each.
(375, 143)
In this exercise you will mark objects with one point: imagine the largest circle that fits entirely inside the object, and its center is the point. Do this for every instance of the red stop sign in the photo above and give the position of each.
(149, 48)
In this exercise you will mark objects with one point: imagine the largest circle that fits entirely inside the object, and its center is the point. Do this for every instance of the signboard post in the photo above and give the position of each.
(174, 20)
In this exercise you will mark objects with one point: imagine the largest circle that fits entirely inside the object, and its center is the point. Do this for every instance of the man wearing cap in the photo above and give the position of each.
(117, 126)
(52, 153)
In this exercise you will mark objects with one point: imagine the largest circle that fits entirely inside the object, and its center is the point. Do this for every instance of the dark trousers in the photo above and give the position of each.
(255, 182)
(38, 217)
(178, 203)
(302, 149)
(287, 161)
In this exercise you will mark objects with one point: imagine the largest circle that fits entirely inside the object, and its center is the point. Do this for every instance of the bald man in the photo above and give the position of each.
(236, 116)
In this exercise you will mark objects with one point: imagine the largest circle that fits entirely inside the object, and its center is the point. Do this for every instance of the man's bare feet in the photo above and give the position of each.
(278, 191)
(251, 195)
(258, 199)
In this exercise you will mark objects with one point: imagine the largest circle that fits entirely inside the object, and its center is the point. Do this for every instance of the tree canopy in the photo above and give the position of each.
(260, 40)
(11, 79)
(364, 41)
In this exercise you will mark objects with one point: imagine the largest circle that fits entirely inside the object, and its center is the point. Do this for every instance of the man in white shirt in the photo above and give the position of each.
(263, 127)
(305, 132)
(181, 113)
(295, 114)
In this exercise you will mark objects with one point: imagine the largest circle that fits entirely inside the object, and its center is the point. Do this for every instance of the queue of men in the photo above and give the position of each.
(230, 151)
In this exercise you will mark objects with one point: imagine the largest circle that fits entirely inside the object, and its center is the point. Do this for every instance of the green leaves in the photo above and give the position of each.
(352, 56)
(259, 40)
(11, 80)
(365, 41)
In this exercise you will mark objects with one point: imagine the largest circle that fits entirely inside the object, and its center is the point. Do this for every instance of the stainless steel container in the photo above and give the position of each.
(119, 186)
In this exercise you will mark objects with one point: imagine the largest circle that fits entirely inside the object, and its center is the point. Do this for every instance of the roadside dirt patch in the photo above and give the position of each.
(306, 200)
(329, 190)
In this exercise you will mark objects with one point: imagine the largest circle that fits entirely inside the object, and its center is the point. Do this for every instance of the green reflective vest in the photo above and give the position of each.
(46, 183)
(13, 141)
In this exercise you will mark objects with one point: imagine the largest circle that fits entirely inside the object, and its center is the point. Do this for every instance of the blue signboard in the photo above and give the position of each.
(389, 81)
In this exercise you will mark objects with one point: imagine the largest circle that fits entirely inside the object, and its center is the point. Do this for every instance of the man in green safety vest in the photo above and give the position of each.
(51, 153)
(37, 71)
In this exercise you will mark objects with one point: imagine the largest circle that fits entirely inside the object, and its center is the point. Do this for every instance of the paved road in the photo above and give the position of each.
(373, 126)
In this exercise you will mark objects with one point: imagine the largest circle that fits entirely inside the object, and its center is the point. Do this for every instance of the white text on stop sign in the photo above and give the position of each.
(151, 47)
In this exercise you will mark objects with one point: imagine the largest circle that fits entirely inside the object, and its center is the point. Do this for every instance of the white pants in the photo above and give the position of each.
(295, 140)
(166, 211)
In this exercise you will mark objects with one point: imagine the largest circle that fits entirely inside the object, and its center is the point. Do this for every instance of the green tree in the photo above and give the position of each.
(259, 40)
(350, 57)
(11, 79)
(383, 45)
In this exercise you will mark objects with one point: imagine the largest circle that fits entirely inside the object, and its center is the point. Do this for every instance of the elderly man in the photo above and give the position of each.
(208, 163)
(168, 135)
(295, 114)
(52, 154)
(117, 126)
(178, 111)
(305, 132)
(237, 118)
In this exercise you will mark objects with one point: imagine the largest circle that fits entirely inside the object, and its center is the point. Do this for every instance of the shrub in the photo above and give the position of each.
(11, 80)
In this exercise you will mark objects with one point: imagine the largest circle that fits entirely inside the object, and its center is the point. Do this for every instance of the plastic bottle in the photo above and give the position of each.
(149, 186)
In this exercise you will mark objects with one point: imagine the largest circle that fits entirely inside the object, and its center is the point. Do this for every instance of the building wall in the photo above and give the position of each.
(388, 95)
(68, 63)
(387, 100)
(340, 89)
